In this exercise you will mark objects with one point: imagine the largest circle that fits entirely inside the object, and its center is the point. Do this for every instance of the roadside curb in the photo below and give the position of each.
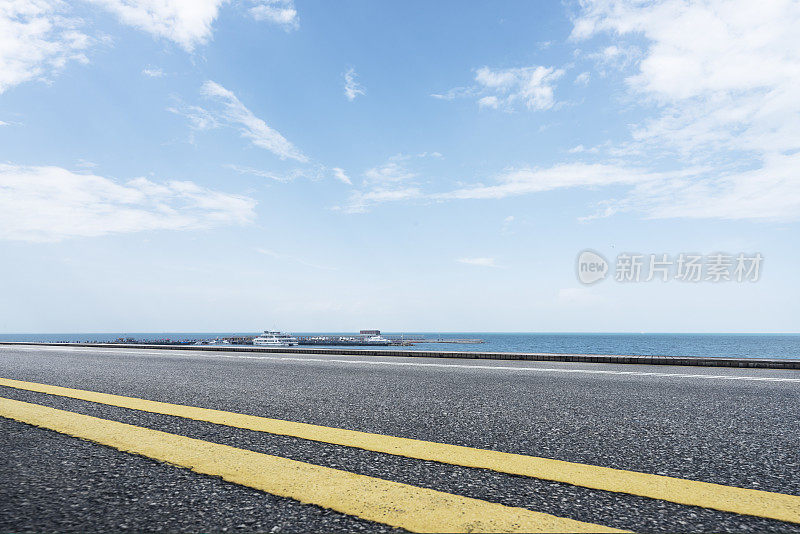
(761, 363)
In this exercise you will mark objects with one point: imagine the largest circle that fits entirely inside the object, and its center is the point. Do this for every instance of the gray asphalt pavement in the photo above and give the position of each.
(729, 426)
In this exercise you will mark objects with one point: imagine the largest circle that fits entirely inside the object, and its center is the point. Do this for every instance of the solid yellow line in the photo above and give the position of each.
(689, 492)
(374, 499)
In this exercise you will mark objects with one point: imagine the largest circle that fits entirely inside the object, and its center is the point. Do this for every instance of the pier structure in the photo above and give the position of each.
(358, 339)
(411, 340)
(363, 338)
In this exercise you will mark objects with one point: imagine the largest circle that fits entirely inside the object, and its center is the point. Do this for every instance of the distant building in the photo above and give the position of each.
(370, 332)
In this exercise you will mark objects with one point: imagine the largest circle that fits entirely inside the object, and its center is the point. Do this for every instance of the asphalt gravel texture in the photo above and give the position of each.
(733, 432)
(55, 483)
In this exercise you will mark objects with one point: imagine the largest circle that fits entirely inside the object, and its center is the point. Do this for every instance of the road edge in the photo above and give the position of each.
(693, 361)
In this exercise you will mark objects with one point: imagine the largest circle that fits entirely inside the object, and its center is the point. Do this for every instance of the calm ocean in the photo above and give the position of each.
(732, 345)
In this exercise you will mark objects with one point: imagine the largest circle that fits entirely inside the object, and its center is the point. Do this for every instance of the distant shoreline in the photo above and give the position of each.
(773, 346)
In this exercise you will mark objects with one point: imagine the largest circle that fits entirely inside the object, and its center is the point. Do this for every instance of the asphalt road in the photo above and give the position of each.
(736, 427)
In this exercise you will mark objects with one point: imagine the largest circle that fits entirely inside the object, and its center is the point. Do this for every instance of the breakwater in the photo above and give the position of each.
(694, 361)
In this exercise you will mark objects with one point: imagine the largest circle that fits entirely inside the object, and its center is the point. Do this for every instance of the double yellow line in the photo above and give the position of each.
(392, 503)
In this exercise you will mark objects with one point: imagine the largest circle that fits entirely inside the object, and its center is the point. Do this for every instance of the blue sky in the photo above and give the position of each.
(417, 166)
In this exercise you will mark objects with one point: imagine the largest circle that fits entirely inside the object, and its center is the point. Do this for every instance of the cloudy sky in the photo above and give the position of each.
(214, 165)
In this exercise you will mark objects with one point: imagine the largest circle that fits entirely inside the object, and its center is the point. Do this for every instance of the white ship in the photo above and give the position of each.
(272, 338)
(372, 337)
(377, 340)
(213, 342)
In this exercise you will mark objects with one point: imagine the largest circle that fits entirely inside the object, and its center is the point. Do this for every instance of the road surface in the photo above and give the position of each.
(734, 428)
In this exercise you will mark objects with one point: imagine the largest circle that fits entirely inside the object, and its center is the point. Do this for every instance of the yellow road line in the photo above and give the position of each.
(690, 492)
(383, 501)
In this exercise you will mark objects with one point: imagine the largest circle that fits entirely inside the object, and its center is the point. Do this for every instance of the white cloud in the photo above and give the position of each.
(314, 171)
(768, 193)
(387, 195)
(771, 192)
(361, 201)
(580, 149)
(582, 78)
(726, 97)
(189, 23)
(184, 22)
(52, 204)
(85, 164)
(489, 102)
(393, 170)
(480, 262)
(153, 72)
(523, 181)
(507, 223)
(37, 40)
(280, 12)
(531, 86)
(340, 175)
(614, 56)
(456, 92)
(392, 181)
(732, 86)
(351, 86)
(199, 118)
(725, 138)
(235, 113)
(229, 111)
(278, 177)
